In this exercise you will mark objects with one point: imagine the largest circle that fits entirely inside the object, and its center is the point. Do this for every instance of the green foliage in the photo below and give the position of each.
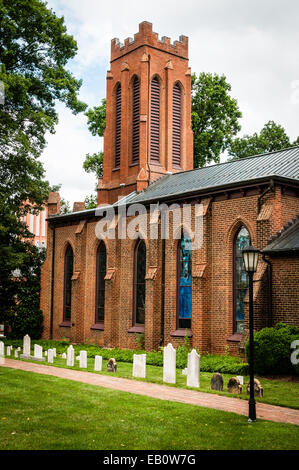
(272, 349)
(90, 201)
(96, 121)
(140, 339)
(215, 117)
(34, 50)
(25, 315)
(94, 164)
(272, 137)
(186, 341)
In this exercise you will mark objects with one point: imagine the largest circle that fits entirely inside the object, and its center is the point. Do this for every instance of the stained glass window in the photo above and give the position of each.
(139, 287)
(241, 277)
(68, 273)
(184, 281)
(100, 283)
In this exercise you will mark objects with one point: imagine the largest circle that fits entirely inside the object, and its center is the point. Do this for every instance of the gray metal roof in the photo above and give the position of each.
(283, 164)
(287, 240)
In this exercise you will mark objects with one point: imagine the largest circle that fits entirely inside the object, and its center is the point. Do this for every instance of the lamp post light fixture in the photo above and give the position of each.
(250, 258)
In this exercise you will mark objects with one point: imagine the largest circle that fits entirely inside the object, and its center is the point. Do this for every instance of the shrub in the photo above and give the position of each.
(272, 349)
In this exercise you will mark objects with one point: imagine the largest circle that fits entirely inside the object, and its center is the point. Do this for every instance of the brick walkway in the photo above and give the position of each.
(163, 392)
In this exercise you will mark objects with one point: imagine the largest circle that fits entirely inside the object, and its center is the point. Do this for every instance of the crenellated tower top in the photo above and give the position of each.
(146, 36)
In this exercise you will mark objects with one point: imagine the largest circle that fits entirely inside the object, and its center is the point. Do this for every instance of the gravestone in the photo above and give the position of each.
(83, 360)
(185, 371)
(26, 348)
(8, 350)
(50, 356)
(1, 349)
(258, 389)
(217, 382)
(98, 360)
(112, 365)
(234, 386)
(70, 356)
(240, 378)
(38, 351)
(193, 374)
(169, 364)
(16, 354)
(63, 355)
(54, 352)
(46, 353)
(139, 365)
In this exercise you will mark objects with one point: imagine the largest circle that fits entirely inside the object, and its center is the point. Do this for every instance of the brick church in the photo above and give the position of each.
(109, 290)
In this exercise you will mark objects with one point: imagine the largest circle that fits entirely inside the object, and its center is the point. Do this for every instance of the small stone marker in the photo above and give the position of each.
(139, 365)
(63, 355)
(234, 386)
(217, 382)
(258, 389)
(70, 356)
(50, 356)
(54, 351)
(26, 345)
(46, 353)
(169, 363)
(16, 354)
(98, 361)
(83, 359)
(185, 371)
(112, 365)
(193, 375)
(1, 349)
(8, 350)
(240, 378)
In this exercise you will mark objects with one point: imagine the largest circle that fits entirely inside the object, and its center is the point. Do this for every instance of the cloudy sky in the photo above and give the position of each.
(254, 43)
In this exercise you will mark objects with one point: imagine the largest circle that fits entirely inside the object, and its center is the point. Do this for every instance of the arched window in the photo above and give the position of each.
(68, 273)
(155, 121)
(242, 240)
(176, 124)
(184, 277)
(100, 283)
(135, 119)
(139, 283)
(117, 125)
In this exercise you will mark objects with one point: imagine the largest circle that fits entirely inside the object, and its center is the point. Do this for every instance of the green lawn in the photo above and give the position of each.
(276, 392)
(40, 412)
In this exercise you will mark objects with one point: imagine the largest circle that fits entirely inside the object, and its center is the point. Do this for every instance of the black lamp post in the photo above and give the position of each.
(250, 257)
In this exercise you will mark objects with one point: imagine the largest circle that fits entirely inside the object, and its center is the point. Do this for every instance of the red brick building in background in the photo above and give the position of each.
(107, 290)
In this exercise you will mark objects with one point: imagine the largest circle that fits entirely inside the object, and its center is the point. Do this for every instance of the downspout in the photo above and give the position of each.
(163, 291)
(267, 190)
(269, 278)
(52, 284)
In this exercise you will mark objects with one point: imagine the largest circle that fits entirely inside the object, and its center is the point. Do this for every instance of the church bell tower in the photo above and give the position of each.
(148, 113)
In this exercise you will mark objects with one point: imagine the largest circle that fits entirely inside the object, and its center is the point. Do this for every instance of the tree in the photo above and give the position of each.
(90, 201)
(96, 123)
(271, 138)
(215, 117)
(34, 50)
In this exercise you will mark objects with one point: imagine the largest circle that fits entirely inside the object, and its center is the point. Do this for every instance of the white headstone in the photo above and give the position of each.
(26, 345)
(139, 365)
(169, 363)
(16, 353)
(50, 356)
(193, 375)
(83, 359)
(70, 356)
(46, 353)
(241, 379)
(38, 351)
(98, 360)
(8, 350)
(54, 351)
(63, 355)
(1, 349)
(77, 358)
(185, 371)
